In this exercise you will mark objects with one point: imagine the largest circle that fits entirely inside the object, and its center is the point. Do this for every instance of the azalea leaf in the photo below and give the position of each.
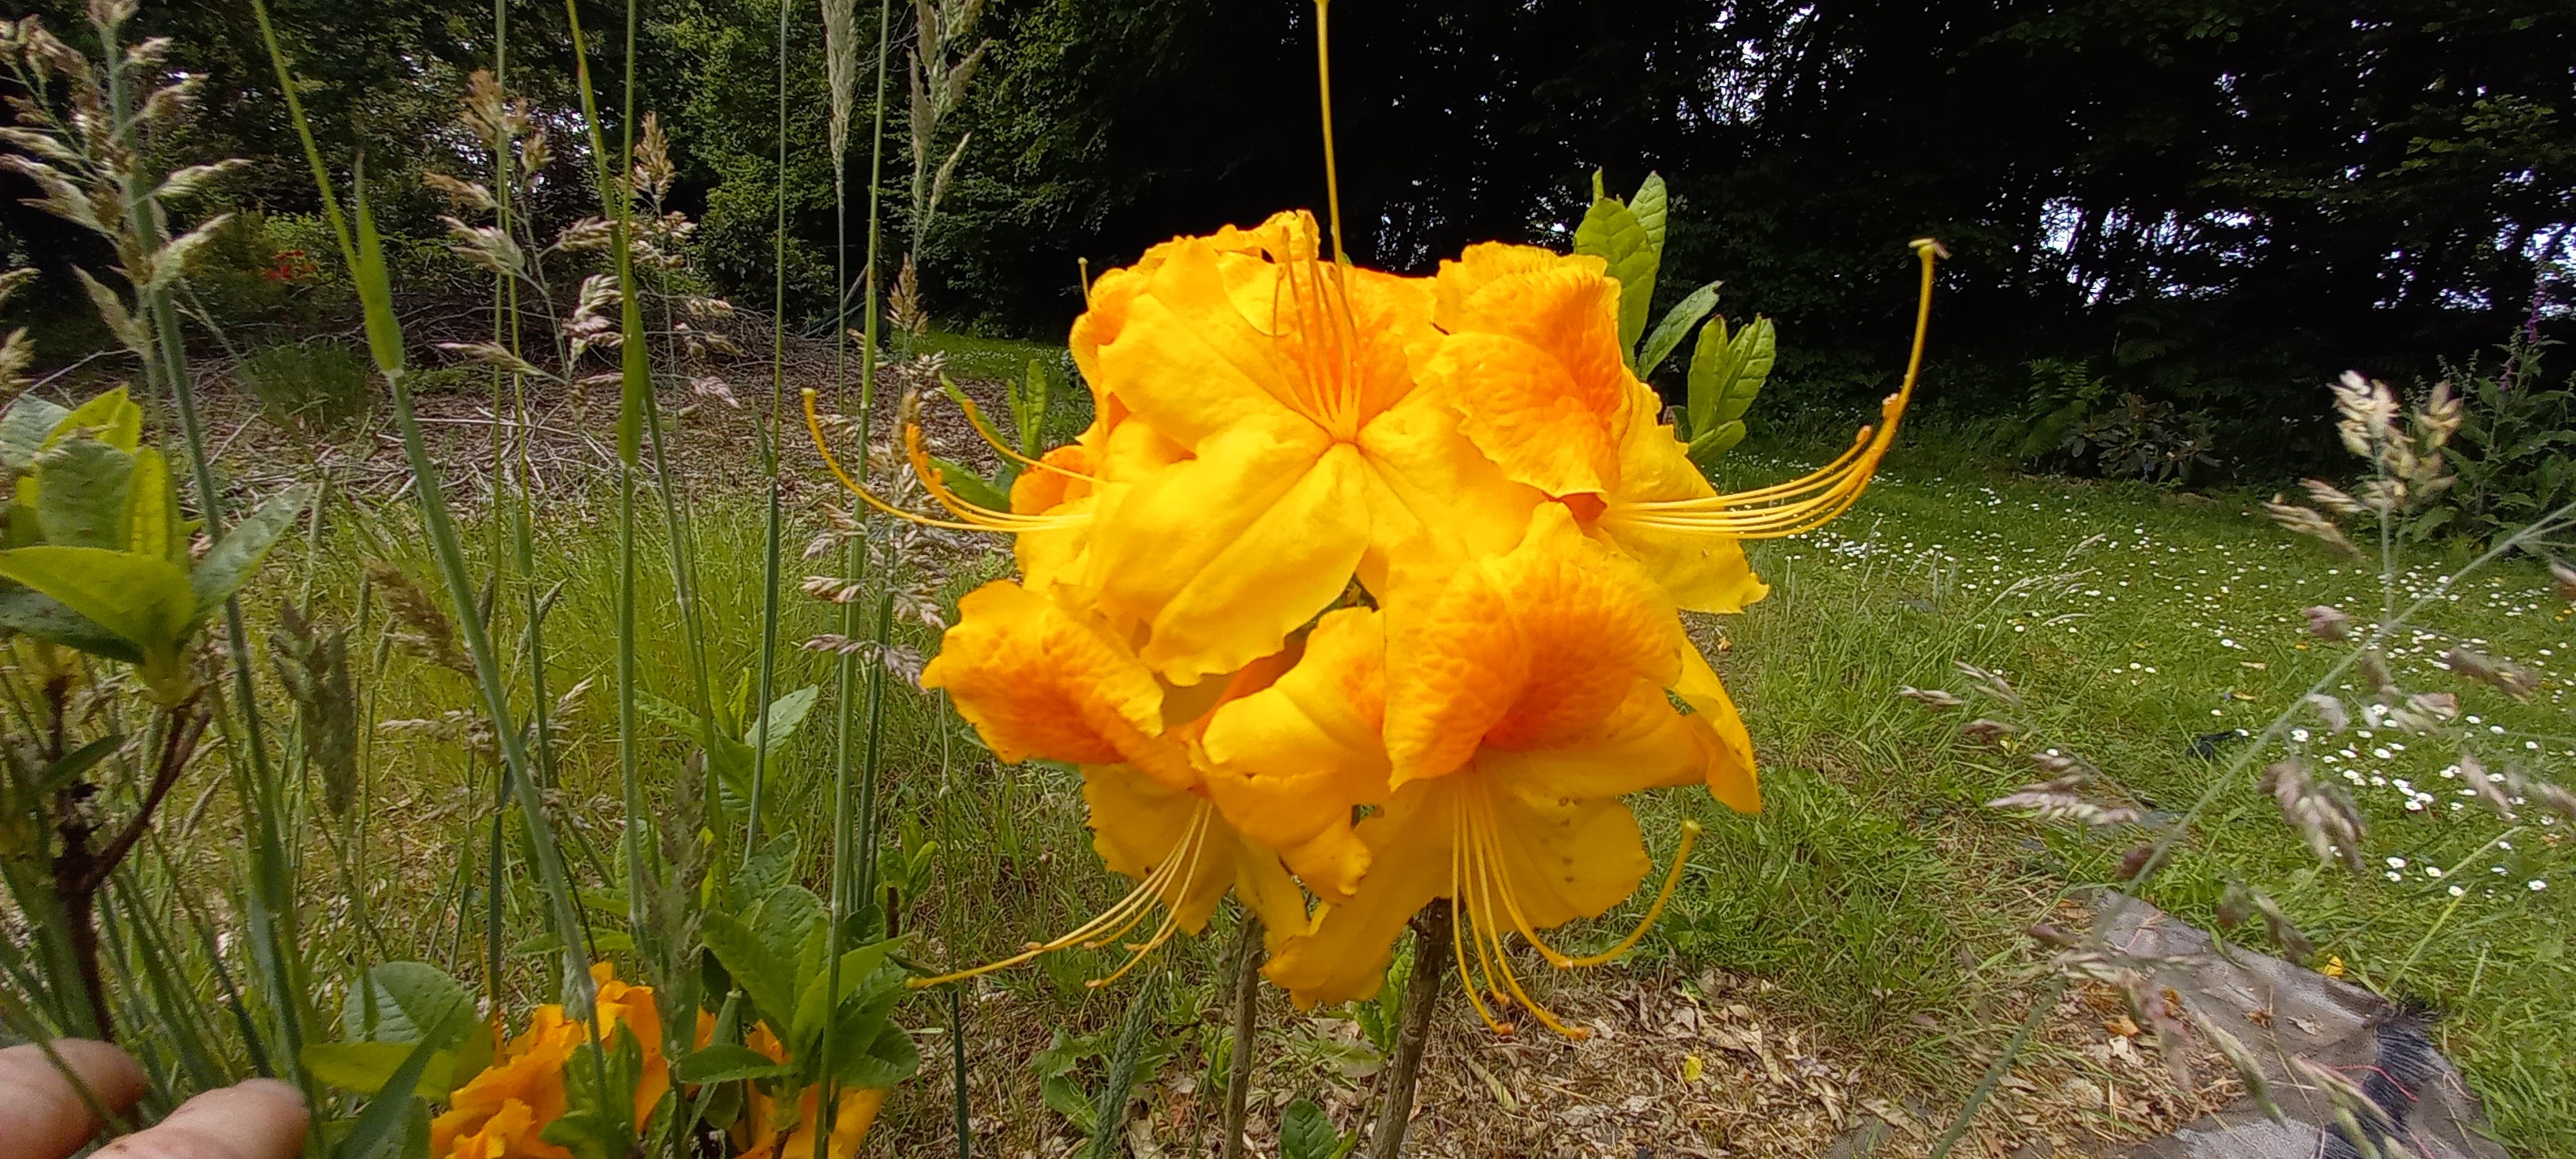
(1611, 231)
(747, 957)
(970, 486)
(404, 1002)
(144, 600)
(726, 1062)
(229, 563)
(366, 1068)
(1726, 374)
(890, 1058)
(1676, 326)
(80, 501)
(1707, 448)
(1651, 205)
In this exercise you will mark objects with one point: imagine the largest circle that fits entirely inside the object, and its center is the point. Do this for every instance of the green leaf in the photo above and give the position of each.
(74, 763)
(784, 715)
(24, 429)
(598, 1121)
(381, 1127)
(1676, 326)
(1612, 232)
(857, 967)
(367, 1068)
(375, 287)
(1306, 1132)
(46, 618)
(1726, 374)
(238, 553)
(1651, 205)
(725, 1062)
(1713, 444)
(1065, 1098)
(889, 1058)
(144, 600)
(769, 982)
(407, 1002)
(970, 486)
(152, 522)
(80, 500)
(111, 418)
(1029, 408)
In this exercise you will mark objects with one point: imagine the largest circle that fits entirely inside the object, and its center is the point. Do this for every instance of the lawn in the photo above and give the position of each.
(1875, 904)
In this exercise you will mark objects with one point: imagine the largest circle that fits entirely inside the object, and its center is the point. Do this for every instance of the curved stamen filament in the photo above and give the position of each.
(982, 518)
(1560, 959)
(1489, 879)
(1462, 927)
(1169, 882)
(814, 427)
(1814, 499)
(975, 418)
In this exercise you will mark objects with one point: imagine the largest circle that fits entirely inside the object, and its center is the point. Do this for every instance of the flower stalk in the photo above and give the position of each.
(1247, 1010)
(1434, 931)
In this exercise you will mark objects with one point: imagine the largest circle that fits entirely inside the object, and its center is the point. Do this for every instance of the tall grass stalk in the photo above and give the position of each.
(270, 902)
(841, 72)
(363, 252)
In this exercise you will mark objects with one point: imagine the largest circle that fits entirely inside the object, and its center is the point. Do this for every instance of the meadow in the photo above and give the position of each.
(1875, 905)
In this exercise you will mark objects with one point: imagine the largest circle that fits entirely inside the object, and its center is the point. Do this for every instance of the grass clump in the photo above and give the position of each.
(310, 388)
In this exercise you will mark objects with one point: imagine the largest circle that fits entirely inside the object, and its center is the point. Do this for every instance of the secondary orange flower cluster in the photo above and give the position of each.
(502, 1112)
(1367, 584)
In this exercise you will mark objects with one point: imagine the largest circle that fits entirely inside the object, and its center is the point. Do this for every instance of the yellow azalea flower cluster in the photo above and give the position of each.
(502, 1112)
(1366, 584)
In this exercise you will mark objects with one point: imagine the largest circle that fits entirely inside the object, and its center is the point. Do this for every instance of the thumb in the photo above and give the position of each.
(258, 1119)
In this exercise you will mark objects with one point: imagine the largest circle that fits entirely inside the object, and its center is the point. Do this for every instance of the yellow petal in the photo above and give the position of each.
(1035, 680)
(1731, 777)
(1220, 557)
(1532, 363)
(1137, 821)
(1525, 650)
(1435, 501)
(1344, 957)
(1287, 764)
(1701, 571)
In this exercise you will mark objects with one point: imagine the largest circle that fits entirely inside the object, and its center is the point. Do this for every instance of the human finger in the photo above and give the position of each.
(258, 1119)
(42, 1116)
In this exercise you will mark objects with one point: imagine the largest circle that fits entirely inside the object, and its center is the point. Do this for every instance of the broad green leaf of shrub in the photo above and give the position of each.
(366, 1068)
(1676, 326)
(383, 1127)
(1306, 1132)
(46, 618)
(598, 1121)
(153, 525)
(146, 601)
(407, 1002)
(24, 428)
(1630, 238)
(80, 500)
(888, 1059)
(727, 1062)
(1029, 408)
(770, 983)
(111, 418)
(229, 563)
(1726, 374)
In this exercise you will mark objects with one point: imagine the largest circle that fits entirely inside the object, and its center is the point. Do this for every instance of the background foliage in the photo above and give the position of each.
(2212, 208)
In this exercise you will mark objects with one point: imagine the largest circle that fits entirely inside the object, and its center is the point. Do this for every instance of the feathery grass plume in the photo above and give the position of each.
(2321, 812)
(841, 69)
(2310, 522)
(413, 620)
(312, 664)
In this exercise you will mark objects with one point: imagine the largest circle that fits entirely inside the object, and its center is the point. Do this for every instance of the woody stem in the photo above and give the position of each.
(1433, 931)
(1247, 1004)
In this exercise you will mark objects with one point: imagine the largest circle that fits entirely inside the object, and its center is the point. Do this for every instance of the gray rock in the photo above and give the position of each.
(2279, 1011)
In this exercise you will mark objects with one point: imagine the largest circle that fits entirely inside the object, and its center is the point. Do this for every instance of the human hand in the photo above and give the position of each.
(43, 1117)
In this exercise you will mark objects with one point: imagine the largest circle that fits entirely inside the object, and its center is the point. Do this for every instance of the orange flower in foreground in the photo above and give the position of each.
(500, 1113)
(857, 1112)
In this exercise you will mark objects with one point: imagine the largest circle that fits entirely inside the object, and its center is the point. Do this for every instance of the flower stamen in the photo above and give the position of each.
(1814, 499)
(975, 418)
(1182, 863)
